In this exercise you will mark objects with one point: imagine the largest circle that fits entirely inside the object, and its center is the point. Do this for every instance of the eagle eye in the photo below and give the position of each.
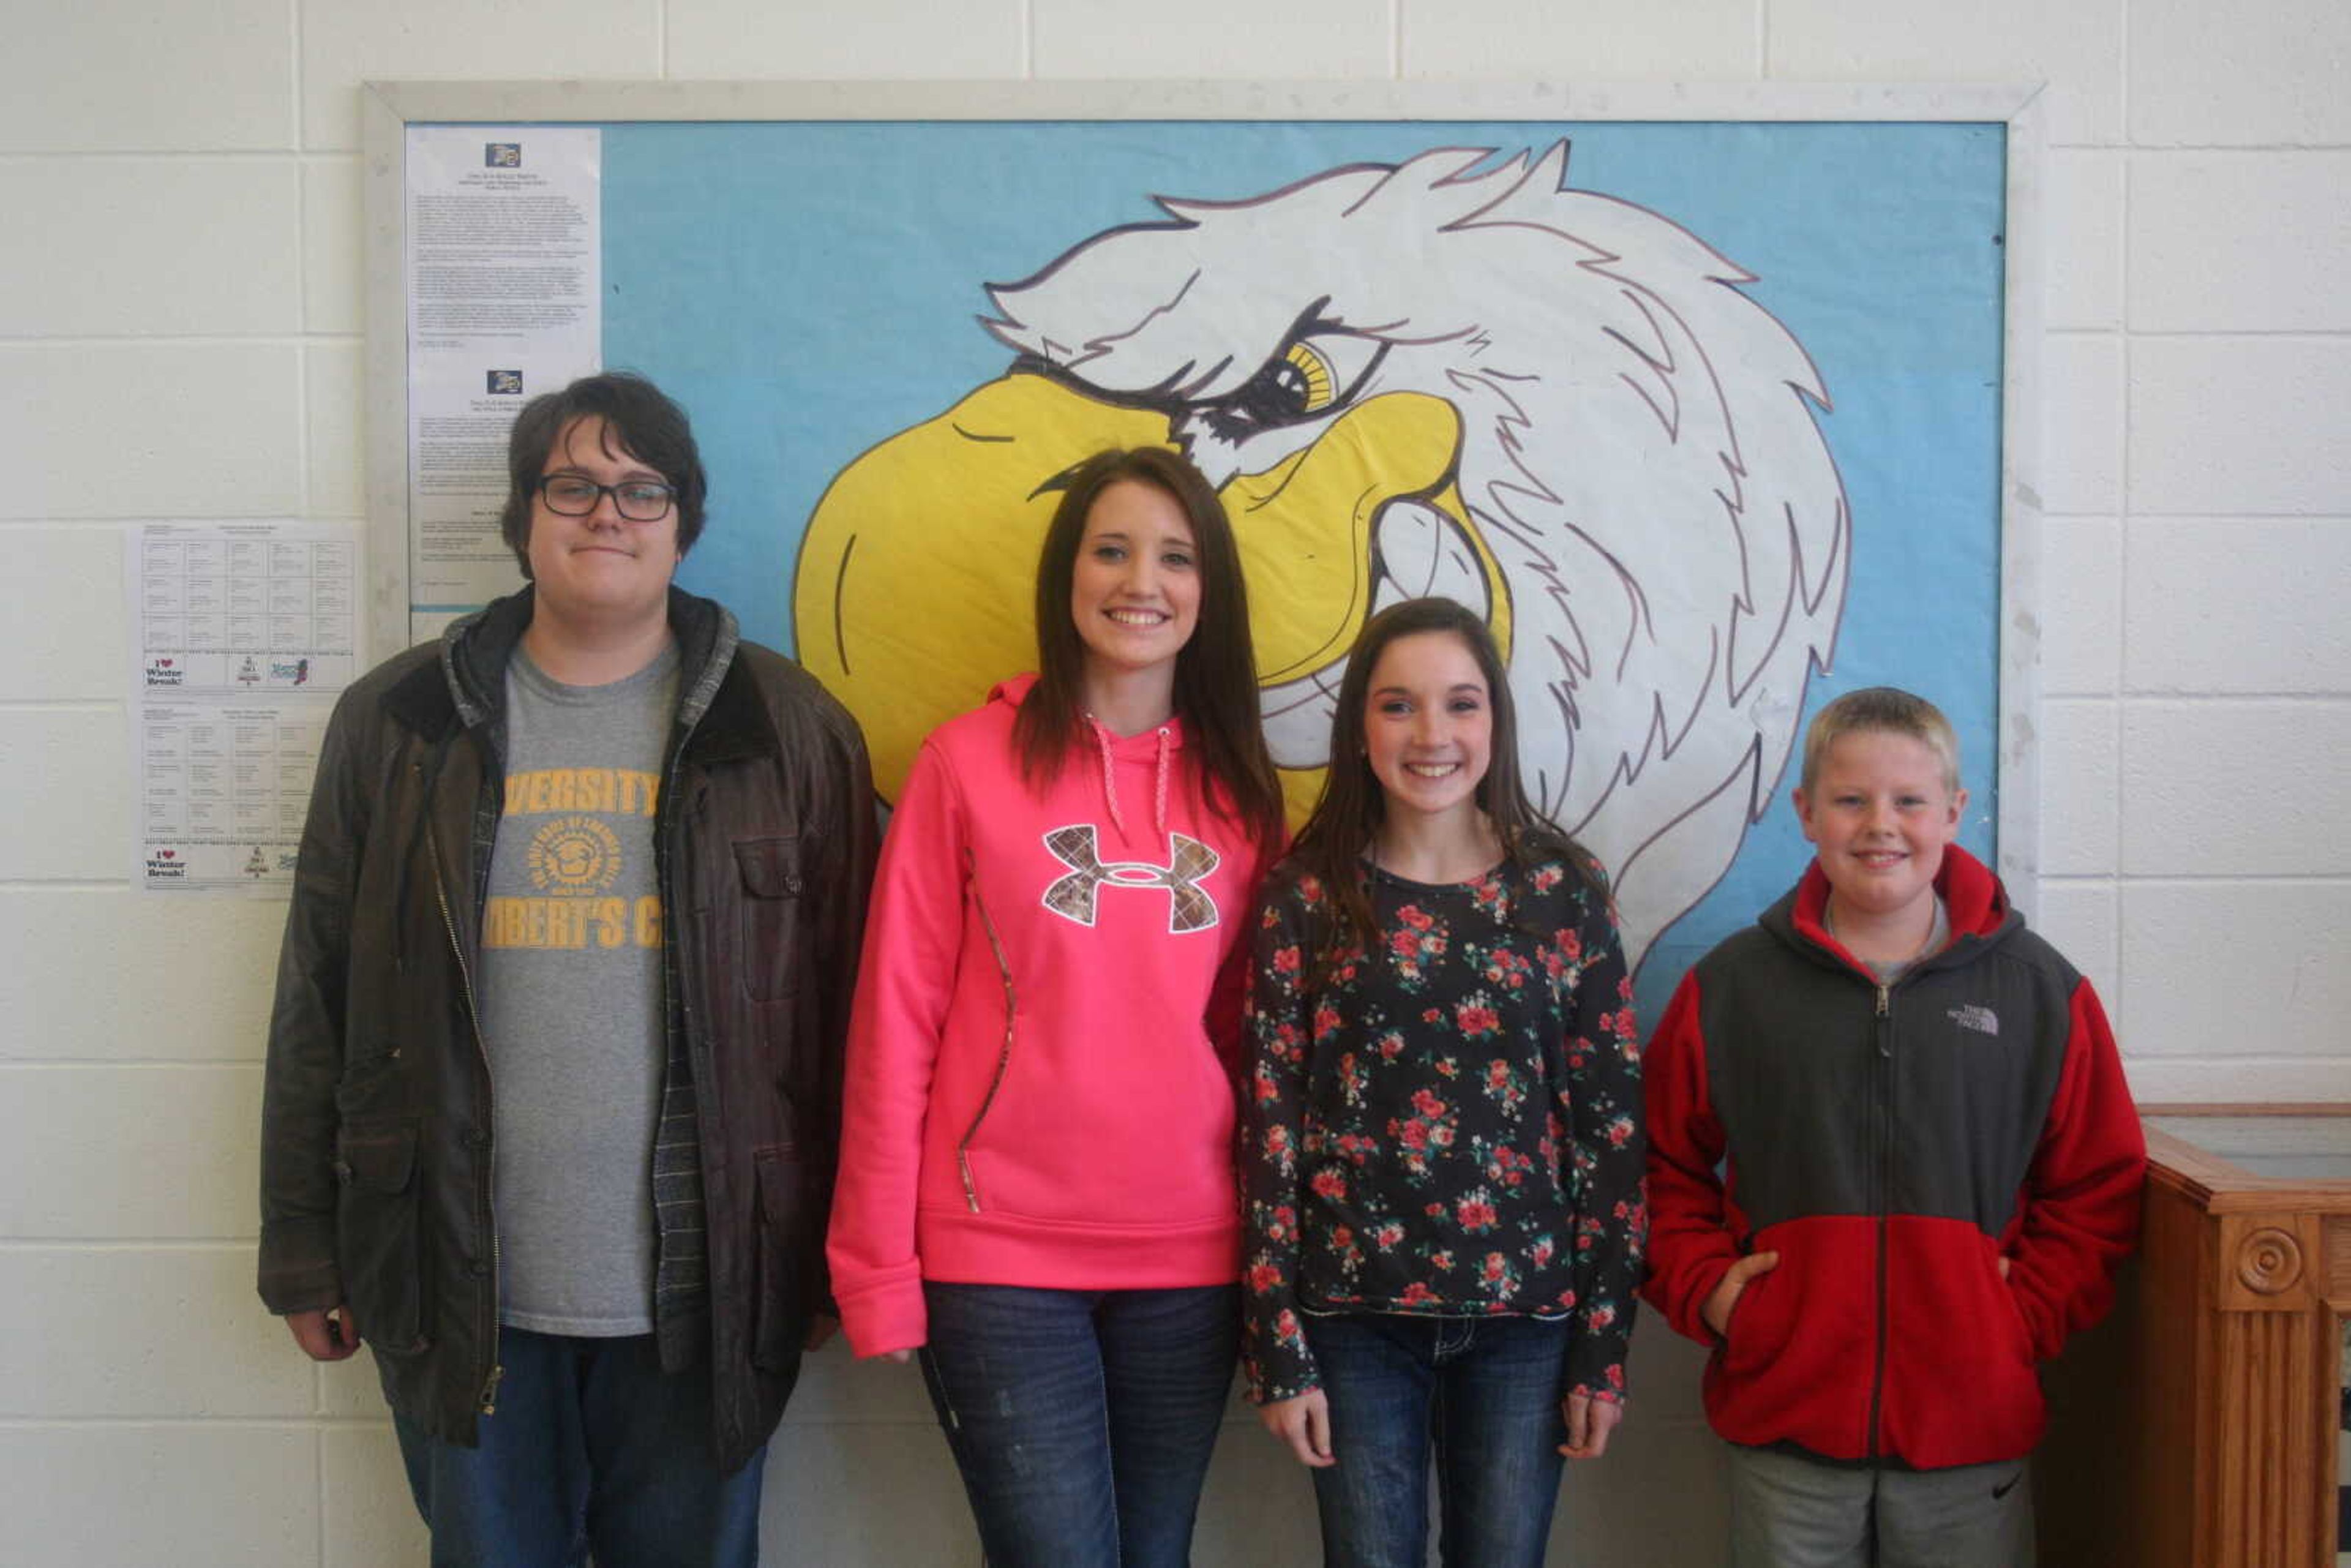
(1312, 376)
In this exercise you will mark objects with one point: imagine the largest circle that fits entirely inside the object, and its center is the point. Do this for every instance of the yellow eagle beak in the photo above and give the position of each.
(1306, 527)
(917, 575)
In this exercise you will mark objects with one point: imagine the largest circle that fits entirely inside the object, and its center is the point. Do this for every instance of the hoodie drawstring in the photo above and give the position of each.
(1159, 790)
(1110, 780)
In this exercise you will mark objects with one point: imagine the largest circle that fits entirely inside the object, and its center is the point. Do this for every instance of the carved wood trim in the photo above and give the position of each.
(2335, 1231)
(2271, 1486)
(2200, 1430)
(2269, 1262)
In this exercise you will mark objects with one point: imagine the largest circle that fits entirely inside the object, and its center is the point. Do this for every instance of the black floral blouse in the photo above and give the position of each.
(1450, 1128)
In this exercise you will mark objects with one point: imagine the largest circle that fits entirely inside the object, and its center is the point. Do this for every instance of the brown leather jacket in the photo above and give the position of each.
(376, 1162)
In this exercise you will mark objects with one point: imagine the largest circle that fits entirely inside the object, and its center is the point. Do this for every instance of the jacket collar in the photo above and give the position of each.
(1971, 891)
(735, 723)
(465, 687)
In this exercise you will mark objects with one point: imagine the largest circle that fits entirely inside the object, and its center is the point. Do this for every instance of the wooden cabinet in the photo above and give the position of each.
(2199, 1427)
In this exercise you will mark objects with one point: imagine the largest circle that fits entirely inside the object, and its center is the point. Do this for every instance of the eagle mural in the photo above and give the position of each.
(1451, 375)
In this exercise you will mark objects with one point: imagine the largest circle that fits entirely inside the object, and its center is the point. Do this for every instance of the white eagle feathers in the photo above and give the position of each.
(1638, 457)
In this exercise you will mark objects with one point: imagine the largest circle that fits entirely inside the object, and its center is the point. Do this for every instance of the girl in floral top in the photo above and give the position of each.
(1442, 1145)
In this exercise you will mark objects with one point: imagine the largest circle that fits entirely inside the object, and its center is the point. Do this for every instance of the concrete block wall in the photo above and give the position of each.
(178, 319)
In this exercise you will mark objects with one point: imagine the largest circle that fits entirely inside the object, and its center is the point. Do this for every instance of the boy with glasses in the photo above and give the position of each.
(553, 1082)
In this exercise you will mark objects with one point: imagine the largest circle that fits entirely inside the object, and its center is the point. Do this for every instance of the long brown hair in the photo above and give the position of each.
(1347, 817)
(1216, 672)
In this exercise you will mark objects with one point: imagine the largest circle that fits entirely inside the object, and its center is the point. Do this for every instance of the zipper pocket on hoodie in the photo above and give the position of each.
(1003, 1056)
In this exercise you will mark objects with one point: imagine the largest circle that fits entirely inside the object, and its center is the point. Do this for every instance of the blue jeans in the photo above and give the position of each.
(1485, 1391)
(594, 1447)
(1081, 1420)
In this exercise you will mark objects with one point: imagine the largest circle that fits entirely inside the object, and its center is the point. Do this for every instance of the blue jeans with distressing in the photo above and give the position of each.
(1081, 1420)
(1485, 1392)
(592, 1447)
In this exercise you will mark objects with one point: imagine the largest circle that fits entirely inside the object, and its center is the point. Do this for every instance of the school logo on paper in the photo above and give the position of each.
(1076, 895)
(501, 154)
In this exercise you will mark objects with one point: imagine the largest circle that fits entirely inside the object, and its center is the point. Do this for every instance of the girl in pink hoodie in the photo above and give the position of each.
(1036, 1189)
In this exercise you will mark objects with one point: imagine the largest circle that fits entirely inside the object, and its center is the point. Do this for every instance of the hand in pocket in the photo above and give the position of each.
(1720, 1301)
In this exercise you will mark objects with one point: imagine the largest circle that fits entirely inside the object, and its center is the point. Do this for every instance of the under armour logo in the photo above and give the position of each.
(1189, 908)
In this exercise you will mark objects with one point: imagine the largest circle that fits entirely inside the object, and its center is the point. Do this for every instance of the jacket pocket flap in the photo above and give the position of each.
(783, 1181)
(770, 867)
(379, 1159)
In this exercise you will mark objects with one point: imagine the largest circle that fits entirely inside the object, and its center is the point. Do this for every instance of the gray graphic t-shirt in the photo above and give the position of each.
(572, 999)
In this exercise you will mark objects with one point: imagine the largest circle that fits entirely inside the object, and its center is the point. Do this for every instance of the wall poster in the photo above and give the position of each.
(243, 634)
(1713, 413)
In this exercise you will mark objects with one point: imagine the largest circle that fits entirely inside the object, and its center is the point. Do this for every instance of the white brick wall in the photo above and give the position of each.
(2081, 214)
(2072, 45)
(898, 39)
(118, 76)
(2223, 75)
(2083, 421)
(1693, 40)
(179, 317)
(345, 44)
(1088, 39)
(225, 1494)
(2240, 242)
(85, 235)
(153, 427)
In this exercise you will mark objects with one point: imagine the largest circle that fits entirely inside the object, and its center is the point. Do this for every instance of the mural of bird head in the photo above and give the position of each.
(1453, 375)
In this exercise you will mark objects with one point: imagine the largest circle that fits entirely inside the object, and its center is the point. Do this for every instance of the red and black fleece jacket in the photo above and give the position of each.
(1892, 1143)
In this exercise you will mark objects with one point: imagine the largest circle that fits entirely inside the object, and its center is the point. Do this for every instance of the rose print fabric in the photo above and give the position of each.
(1449, 1126)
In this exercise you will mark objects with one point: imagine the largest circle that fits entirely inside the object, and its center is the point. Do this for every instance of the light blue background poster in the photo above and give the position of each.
(807, 290)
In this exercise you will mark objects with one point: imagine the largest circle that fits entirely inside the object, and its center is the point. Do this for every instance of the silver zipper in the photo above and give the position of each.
(489, 1400)
(1004, 1056)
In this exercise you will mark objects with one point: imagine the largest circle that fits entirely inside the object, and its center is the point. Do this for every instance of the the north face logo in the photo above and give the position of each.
(1073, 897)
(1977, 1016)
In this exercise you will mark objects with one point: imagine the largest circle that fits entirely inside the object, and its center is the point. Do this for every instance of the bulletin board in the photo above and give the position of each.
(1717, 401)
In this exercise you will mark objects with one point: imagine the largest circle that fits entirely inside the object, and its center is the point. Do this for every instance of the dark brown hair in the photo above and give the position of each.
(1216, 672)
(1347, 816)
(640, 421)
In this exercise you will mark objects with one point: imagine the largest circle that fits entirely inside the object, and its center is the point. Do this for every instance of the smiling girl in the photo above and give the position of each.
(1441, 1144)
(1037, 1186)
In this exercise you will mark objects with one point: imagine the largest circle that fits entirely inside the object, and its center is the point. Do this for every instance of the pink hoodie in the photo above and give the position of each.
(1041, 1061)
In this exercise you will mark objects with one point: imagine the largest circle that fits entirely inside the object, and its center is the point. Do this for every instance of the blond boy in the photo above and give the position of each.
(1893, 1164)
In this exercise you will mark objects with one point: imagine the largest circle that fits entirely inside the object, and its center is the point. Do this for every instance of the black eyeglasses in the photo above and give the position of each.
(638, 500)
